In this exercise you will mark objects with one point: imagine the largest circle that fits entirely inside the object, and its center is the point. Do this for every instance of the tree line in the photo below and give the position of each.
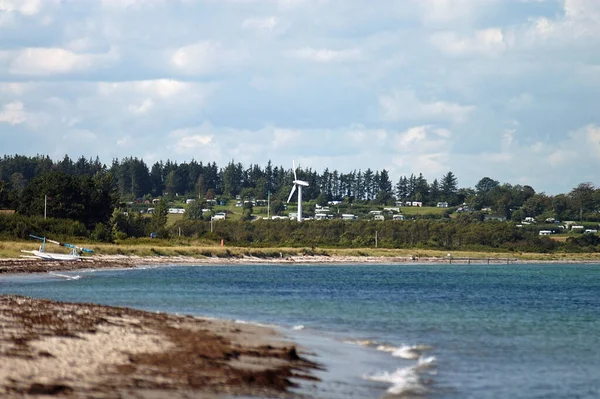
(88, 190)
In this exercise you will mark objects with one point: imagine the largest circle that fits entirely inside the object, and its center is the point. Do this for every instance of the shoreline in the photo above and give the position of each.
(96, 351)
(25, 265)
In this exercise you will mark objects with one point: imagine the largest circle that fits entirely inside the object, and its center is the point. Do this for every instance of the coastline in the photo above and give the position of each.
(24, 265)
(95, 351)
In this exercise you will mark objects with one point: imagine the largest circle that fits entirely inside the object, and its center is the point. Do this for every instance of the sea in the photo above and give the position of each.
(385, 331)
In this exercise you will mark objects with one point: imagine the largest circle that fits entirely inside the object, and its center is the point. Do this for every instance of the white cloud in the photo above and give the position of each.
(404, 105)
(326, 55)
(163, 88)
(283, 138)
(190, 140)
(581, 19)
(422, 139)
(422, 149)
(51, 61)
(490, 42)
(142, 108)
(13, 113)
(25, 7)
(205, 57)
(125, 142)
(451, 11)
(14, 88)
(593, 138)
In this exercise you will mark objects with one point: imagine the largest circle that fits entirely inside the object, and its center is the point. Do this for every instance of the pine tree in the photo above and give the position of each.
(449, 187)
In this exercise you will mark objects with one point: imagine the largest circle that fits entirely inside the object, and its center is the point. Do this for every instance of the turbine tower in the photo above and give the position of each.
(297, 184)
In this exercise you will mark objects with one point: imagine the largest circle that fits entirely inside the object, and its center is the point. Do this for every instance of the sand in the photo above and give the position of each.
(93, 351)
(24, 265)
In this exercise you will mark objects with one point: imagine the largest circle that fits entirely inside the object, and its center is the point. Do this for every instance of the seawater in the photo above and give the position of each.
(433, 331)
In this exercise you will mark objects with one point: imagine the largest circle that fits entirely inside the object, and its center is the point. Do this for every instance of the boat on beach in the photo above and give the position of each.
(74, 254)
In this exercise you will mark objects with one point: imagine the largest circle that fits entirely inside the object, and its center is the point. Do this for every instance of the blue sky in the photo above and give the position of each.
(508, 89)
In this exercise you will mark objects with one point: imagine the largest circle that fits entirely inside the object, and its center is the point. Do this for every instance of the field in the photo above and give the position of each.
(425, 210)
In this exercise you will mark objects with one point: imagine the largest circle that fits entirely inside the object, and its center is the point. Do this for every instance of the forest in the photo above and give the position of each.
(87, 198)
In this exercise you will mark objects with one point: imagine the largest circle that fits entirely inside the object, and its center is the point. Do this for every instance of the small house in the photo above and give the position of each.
(442, 205)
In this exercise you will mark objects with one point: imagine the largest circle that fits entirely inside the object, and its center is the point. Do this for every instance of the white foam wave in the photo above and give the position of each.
(426, 363)
(298, 327)
(66, 276)
(409, 352)
(403, 381)
(361, 342)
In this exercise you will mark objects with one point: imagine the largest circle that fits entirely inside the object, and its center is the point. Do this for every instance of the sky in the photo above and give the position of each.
(507, 89)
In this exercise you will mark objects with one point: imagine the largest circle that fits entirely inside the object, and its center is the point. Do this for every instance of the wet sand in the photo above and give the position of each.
(93, 351)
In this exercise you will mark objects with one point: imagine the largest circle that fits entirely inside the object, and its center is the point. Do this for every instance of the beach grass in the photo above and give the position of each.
(147, 247)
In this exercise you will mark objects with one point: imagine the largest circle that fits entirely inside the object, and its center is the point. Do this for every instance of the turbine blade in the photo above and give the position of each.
(291, 193)
(294, 169)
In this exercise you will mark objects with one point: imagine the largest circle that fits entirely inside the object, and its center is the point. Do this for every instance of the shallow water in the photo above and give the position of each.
(437, 331)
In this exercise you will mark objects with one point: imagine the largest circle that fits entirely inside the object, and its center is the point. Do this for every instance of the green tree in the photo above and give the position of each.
(449, 187)
(194, 211)
(247, 211)
(158, 222)
(485, 185)
(582, 198)
(277, 207)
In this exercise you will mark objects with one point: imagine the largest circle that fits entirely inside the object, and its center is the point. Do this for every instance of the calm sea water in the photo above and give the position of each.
(434, 331)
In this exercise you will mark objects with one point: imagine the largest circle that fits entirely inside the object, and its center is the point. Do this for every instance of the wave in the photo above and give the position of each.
(361, 342)
(409, 352)
(298, 327)
(403, 381)
(65, 276)
(408, 380)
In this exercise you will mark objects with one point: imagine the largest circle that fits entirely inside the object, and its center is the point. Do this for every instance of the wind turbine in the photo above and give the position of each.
(297, 184)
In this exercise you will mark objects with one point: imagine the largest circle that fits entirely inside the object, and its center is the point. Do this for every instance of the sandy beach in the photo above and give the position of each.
(93, 351)
(23, 265)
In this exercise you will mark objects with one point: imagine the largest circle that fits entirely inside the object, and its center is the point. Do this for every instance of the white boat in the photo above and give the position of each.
(75, 253)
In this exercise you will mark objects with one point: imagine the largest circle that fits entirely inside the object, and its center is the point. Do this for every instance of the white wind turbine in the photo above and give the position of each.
(297, 184)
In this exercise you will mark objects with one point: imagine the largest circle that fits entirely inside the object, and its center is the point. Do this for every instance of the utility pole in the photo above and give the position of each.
(375, 238)
(269, 205)
(45, 205)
